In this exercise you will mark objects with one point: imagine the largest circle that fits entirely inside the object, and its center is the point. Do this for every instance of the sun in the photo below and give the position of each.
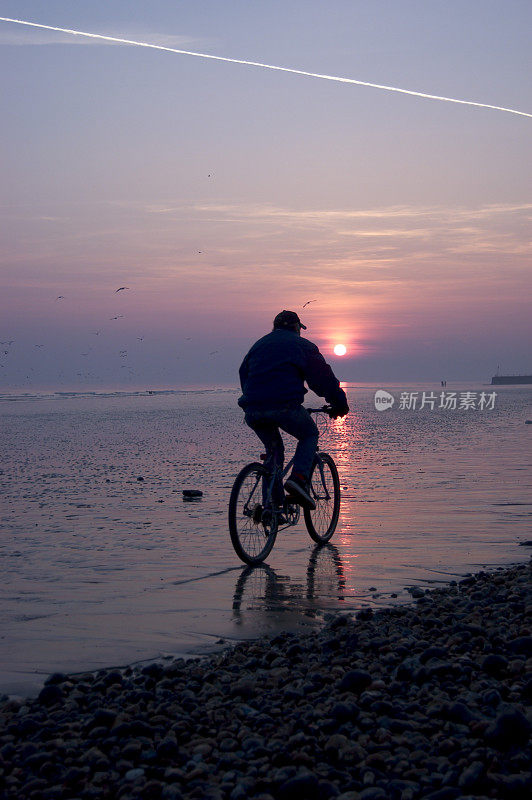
(340, 349)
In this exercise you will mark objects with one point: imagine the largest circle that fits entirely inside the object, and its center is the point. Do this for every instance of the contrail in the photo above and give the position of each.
(267, 66)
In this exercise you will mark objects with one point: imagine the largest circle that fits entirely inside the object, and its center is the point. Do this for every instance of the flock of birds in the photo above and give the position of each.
(6, 347)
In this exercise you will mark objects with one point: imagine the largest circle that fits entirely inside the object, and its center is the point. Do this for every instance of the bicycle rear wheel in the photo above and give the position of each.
(253, 529)
(325, 490)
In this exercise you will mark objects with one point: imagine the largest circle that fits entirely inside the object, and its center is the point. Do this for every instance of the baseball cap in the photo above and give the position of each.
(287, 319)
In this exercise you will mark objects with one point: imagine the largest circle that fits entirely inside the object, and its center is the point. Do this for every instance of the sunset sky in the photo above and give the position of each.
(220, 193)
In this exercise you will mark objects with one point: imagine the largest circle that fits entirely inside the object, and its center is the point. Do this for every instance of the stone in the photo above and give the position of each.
(373, 793)
(55, 678)
(494, 664)
(168, 749)
(447, 793)
(471, 775)
(355, 680)
(303, 786)
(50, 695)
(522, 646)
(511, 728)
(134, 774)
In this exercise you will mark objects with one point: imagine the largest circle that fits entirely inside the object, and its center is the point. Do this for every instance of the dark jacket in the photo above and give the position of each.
(272, 374)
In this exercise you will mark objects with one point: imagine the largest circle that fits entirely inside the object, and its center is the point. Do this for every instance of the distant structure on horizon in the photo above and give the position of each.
(498, 380)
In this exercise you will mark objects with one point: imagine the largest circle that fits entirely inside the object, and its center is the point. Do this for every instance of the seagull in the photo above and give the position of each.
(96, 333)
(214, 352)
(8, 342)
(188, 339)
(60, 297)
(38, 345)
(140, 338)
(118, 317)
(308, 301)
(122, 289)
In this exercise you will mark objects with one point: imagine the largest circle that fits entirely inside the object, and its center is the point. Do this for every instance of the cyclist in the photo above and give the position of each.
(272, 377)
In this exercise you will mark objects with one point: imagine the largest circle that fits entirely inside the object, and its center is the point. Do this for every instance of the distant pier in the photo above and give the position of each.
(499, 380)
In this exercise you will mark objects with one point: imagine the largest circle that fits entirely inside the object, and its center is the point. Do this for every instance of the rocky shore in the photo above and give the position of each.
(425, 701)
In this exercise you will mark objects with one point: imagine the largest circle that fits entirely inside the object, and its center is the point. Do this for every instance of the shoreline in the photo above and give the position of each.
(426, 700)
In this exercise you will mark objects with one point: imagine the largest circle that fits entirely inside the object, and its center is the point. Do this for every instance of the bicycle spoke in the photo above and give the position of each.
(325, 490)
(252, 530)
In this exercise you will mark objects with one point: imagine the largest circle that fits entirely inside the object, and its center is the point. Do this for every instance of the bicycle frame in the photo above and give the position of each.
(285, 471)
(274, 474)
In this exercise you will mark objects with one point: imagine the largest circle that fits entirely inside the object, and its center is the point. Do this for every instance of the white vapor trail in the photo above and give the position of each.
(266, 66)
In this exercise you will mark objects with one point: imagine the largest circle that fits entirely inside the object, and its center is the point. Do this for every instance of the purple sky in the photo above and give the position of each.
(221, 193)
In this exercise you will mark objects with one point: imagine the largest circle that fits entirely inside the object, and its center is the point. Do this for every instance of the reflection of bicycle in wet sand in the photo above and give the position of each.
(259, 589)
(255, 520)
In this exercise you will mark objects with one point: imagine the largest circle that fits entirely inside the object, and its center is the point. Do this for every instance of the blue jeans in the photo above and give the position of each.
(298, 423)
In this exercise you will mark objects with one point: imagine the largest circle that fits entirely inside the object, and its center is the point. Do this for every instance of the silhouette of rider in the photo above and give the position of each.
(272, 377)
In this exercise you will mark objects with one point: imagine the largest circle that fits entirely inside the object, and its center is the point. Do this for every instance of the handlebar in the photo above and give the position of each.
(327, 409)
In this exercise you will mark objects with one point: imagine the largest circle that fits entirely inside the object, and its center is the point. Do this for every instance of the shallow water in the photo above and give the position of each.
(101, 569)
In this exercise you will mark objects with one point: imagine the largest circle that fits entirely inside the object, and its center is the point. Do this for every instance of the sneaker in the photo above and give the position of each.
(296, 486)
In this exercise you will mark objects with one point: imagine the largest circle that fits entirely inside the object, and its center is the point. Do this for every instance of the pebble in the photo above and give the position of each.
(134, 774)
(423, 702)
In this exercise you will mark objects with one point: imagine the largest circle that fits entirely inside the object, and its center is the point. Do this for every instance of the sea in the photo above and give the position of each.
(104, 563)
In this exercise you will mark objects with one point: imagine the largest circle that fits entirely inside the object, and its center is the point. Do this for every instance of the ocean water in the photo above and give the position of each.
(104, 563)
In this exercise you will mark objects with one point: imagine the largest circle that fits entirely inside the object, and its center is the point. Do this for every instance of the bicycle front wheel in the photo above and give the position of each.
(325, 491)
(253, 529)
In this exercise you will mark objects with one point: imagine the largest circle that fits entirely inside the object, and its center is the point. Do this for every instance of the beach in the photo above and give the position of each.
(142, 660)
(429, 700)
(105, 564)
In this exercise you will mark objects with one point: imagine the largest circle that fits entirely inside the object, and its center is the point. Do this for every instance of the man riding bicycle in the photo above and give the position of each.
(272, 377)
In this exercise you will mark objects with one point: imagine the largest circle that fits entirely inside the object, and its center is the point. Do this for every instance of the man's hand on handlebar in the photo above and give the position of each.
(333, 411)
(338, 411)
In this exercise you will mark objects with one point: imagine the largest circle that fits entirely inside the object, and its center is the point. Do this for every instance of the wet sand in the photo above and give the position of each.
(429, 700)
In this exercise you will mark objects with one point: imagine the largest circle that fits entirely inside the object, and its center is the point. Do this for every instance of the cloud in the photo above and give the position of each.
(368, 252)
(21, 37)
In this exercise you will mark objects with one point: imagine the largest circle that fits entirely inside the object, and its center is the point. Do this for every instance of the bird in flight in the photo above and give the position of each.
(60, 297)
(122, 289)
(118, 317)
(307, 303)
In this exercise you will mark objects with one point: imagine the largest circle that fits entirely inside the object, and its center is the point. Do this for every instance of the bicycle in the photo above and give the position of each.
(255, 520)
